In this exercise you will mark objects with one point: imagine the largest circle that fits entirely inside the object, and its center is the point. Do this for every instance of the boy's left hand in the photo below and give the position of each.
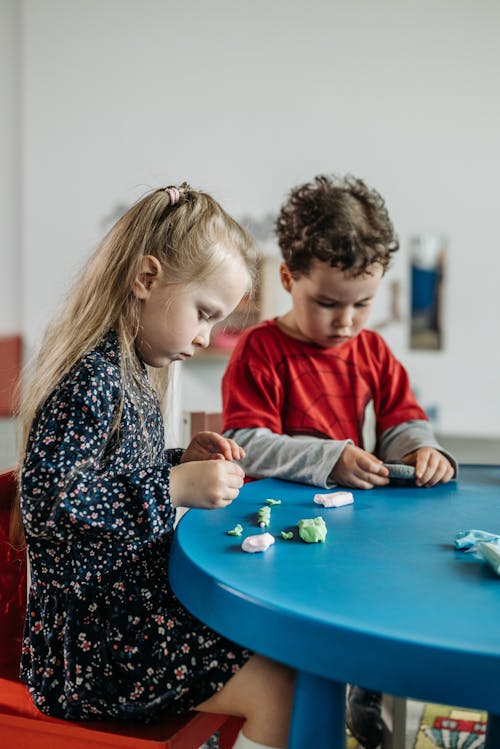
(212, 446)
(431, 466)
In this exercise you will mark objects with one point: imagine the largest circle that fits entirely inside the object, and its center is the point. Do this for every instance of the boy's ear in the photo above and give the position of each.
(150, 273)
(286, 277)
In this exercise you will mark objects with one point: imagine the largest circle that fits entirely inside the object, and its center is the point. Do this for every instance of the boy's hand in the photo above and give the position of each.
(358, 469)
(431, 466)
(208, 484)
(212, 446)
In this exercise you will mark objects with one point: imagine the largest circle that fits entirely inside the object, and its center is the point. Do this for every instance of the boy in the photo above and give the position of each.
(314, 397)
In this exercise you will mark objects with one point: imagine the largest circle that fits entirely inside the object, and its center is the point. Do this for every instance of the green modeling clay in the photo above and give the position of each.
(312, 530)
(287, 535)
(236, 531)
(264, 516)
(273, 501)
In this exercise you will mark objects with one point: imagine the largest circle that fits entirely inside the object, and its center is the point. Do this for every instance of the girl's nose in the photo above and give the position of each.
(202, 339)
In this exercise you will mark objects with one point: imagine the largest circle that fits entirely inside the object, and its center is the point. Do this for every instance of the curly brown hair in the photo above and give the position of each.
(338, 220)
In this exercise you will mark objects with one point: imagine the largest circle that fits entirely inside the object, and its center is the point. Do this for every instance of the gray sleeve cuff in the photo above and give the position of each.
(307, 460)
(398, 441)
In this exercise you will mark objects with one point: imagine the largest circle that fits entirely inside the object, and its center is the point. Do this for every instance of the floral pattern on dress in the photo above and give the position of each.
(105, 637)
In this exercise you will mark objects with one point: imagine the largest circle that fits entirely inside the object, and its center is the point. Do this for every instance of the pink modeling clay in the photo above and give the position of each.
(336, 499)
(260, 542)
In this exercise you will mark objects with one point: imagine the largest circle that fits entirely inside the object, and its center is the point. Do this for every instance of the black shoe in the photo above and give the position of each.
(364, 716)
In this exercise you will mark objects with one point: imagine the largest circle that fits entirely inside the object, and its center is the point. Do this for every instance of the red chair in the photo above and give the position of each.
(22, 726)
(11, 352)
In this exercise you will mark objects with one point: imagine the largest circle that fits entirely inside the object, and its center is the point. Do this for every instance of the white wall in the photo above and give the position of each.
(248, 99)
(10, 203)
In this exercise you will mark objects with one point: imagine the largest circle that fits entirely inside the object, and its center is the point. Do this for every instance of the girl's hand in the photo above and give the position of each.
(212, 446)
(208, 484)
(358, 469)
(431, 466)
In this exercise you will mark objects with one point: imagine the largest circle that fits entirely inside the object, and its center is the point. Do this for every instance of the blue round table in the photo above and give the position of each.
(386, 602)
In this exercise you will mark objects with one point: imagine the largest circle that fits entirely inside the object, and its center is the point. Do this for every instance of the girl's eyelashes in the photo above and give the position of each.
(210, 315)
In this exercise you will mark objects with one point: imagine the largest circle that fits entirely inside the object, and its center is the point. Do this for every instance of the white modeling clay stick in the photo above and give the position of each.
(336, 499)
(260, 542)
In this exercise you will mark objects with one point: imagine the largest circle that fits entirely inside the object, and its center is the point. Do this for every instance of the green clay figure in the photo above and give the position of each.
(236, 531)
(273, 501)
(264, 516)
(312, 530)
(287, 535)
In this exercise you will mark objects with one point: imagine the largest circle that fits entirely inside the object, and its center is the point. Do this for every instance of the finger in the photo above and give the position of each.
(377, 480)
(360, 480)
(375, 459)
(228, 496)
(440, 474)
(222, 446)
(237, 452)
(234, 483)
(433, 479)
(214, 443)
(235, 469)
(425, 469)
(373, 468)
(450, 473)
(361, 484)
(220, 502)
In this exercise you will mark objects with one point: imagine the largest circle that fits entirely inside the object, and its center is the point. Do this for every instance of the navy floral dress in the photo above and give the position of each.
(105, 636)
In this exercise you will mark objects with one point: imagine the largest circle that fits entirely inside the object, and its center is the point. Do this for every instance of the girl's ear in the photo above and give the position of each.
(149, 274)
(286, 277)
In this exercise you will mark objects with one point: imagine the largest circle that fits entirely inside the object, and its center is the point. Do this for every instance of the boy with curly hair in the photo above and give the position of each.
(313, 396)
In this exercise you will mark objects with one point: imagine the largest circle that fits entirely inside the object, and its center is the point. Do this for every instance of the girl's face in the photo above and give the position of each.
(330, 306)
(177, 319)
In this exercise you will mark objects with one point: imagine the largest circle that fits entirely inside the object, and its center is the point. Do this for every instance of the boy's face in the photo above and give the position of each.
(330, 306)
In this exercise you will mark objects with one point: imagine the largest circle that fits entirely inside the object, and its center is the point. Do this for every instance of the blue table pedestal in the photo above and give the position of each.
(493, 732)
(325, 700)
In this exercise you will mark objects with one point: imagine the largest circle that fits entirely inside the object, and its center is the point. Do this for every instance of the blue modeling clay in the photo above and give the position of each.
(469, 539)
(485, 545)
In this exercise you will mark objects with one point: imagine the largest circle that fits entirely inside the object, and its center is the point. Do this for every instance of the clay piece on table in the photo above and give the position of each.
(401, 474)
(259, 542)
(236, 531)
(273, 501)
(287, 535)
(335, 499)
(264, 516)
(469, 539)
(312, 530)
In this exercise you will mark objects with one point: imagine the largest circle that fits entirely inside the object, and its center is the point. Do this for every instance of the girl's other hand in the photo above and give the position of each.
(212, 446)
(208, 484)
(359, 469)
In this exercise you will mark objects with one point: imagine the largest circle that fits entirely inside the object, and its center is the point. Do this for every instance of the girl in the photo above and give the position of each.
(105, 636)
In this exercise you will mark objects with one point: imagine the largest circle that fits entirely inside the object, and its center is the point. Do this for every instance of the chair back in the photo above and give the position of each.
(13, 572)
(199, 421)
(24, 727)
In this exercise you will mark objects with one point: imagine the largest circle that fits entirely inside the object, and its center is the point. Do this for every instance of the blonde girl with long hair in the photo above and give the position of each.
(105, 637)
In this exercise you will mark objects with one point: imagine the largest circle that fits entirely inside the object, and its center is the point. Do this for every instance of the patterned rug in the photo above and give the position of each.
(451, 728)
(440, 726)
(445, 727)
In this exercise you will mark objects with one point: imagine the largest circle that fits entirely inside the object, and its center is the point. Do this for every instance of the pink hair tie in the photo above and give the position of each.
(173, 194)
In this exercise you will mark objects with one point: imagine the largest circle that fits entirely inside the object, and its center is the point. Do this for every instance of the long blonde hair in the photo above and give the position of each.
(189, 238)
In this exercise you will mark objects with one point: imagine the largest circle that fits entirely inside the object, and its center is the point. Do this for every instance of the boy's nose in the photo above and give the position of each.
(343, 318)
